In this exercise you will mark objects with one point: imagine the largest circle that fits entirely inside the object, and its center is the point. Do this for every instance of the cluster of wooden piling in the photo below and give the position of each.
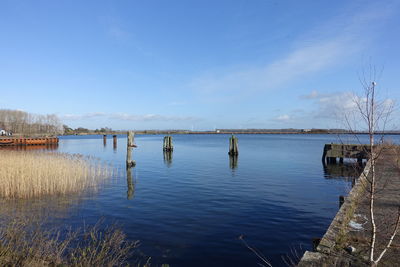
(233, 146)
(168, 148)
(167, 145)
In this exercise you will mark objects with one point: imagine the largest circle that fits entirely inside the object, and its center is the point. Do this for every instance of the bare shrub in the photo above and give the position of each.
(25, 242)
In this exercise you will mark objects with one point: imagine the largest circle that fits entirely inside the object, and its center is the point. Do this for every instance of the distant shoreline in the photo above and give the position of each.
(155, 132)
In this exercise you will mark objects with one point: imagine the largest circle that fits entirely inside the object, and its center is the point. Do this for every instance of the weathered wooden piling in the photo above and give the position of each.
(130, 145)
(115, 140)
(130, 184)
(105, 139)
(233, 145)
(167, 145)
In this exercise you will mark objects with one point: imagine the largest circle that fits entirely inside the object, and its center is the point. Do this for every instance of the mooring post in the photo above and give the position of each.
(341, 201)
(115, 140)
(130, 184)
(233, 145)
(129, 147)
(104, 139)
(341, 160)
(168, 146)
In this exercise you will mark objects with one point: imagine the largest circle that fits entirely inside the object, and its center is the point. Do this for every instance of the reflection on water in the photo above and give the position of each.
(49, 147)
(168, 158)
(233, 161)
(346, 171)
(40, 208)
(130, 183)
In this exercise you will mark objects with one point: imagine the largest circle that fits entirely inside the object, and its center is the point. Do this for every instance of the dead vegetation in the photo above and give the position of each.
(24, 241)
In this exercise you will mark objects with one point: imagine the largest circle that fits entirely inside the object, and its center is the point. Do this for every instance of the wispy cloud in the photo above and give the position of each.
(284, 117)
(313, 95)
(318, 51)
(126, 117)
(82, 116)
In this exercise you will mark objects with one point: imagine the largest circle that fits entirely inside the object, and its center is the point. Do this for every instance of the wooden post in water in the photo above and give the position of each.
(130, 145)
(115, 141)
(168, 146)
(233, 146)
(130, 184)
(105, 140)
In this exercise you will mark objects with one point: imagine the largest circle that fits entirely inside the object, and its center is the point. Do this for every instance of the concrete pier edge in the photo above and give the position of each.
(337, 227)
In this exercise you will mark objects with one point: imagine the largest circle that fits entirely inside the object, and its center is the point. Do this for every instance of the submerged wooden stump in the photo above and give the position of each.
(167, 145)
(233, 145)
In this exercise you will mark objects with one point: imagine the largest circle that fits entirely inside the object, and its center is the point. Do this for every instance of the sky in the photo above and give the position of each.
(197, 65)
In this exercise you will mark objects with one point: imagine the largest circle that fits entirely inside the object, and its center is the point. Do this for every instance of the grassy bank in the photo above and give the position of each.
(25, 174)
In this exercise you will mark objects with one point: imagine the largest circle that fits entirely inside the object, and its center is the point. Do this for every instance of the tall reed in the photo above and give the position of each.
(25, 174)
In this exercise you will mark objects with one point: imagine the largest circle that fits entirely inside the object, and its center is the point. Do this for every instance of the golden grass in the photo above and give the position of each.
(25, 174)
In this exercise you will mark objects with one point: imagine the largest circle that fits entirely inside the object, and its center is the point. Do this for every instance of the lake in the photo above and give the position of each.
(189, 208)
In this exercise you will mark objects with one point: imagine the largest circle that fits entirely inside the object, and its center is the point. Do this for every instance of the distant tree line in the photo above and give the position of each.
(80, 130)
(24, 123)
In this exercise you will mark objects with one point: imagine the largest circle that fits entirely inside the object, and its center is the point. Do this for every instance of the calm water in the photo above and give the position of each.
(189, 208)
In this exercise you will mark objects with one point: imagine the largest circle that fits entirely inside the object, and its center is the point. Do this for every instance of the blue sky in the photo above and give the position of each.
(195, 64)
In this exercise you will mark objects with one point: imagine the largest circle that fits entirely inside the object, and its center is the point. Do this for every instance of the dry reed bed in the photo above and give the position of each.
(25, 174)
